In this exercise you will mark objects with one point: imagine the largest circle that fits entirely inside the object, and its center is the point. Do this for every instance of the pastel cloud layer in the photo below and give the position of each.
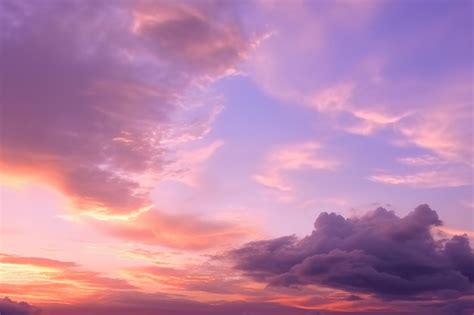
(95, 108)
(153, 153)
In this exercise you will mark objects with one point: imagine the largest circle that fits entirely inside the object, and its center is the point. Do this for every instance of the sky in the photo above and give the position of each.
(258, 157)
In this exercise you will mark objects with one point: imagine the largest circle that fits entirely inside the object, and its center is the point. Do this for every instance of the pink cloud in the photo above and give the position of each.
(424, 179)
(35, 261)
(444, 130)
(175, 230)
(290, 158)
(97, 97)
(382, 88)
(188, 163)
(43, 279)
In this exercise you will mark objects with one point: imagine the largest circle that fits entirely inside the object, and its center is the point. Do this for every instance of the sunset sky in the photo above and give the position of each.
(236, 157)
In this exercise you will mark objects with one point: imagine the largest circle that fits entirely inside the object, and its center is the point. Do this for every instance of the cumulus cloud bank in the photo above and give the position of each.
(379, 253)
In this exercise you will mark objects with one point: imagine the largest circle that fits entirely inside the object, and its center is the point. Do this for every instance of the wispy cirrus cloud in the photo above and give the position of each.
(422, 160)
(426, 171)
(187, 163)
(445, 129)
(386, 93)
(292, 158)
(424, 179)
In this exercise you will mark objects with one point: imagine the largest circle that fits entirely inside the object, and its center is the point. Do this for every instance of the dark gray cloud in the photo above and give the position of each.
(9, 307)
(382, 254)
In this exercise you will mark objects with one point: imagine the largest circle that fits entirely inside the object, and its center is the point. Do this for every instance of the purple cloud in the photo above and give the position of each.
(9, 307)
(131, 303)
(89, 89)
(380, 253)
(128, 303)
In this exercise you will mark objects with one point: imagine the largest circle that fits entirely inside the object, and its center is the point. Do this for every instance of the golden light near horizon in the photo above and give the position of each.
(228, 158)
